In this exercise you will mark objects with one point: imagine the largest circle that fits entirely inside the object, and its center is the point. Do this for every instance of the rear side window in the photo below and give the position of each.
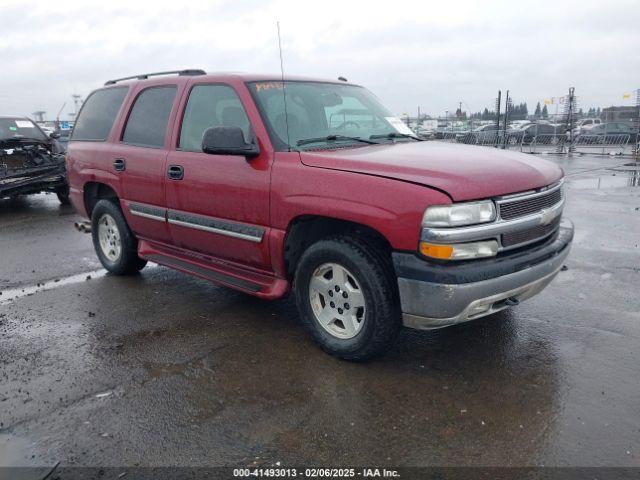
(211, 106)
(98, 114)
(147, 123)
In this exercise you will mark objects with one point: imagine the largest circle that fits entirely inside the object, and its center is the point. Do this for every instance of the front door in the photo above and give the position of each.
(218, 205)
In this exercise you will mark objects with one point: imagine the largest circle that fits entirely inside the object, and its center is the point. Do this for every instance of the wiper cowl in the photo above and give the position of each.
(333, 138)
(392, 135)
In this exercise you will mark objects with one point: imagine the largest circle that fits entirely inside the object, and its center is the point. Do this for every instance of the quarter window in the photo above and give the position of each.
(147, 123)
(211, 106)
(98, 114)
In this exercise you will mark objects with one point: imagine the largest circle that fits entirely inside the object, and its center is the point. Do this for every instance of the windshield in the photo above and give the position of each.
(20, 128)
(319, 114)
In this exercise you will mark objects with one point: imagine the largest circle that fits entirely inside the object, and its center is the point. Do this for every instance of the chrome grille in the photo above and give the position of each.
(529, 235)
(516, 208)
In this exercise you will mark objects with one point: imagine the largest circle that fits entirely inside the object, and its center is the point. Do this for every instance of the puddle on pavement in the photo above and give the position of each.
(14, 451)
(189, 369)
(624, 176)
(7, 296)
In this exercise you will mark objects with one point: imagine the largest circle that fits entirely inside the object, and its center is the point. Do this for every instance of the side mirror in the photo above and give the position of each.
(228, 141)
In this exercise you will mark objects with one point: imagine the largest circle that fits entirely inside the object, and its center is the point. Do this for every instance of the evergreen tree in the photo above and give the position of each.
(545, 112)
(538, 111)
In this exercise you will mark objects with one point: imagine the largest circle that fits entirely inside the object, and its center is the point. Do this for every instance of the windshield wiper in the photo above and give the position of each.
(333, 138)
(397, 135)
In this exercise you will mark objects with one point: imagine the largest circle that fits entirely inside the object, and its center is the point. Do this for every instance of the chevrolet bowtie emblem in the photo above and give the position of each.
(546, 216)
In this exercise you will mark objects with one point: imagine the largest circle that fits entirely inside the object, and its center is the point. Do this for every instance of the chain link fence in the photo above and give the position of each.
(615, 132)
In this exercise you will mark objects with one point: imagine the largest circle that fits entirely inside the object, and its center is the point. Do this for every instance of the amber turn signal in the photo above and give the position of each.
(433, 250)
(460, 251)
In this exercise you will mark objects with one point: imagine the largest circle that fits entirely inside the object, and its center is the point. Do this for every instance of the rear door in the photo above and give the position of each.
(218, 205)
(139, 158)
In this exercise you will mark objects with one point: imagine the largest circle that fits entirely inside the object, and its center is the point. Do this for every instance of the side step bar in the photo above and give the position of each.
(204, 272)
(261, 284)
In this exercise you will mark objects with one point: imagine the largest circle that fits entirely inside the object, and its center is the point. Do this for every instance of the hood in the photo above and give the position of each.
(465, 172)
(19, 142)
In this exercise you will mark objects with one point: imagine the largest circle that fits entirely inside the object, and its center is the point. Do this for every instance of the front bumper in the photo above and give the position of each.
(439, 295)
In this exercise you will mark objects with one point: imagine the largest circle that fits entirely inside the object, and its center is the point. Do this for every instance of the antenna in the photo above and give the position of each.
(284, 93)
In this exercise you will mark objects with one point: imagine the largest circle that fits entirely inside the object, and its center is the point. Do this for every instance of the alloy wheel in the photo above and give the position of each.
(109, 237)
(337, 300)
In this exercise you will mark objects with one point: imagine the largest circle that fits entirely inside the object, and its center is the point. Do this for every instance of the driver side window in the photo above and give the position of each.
(211, 106)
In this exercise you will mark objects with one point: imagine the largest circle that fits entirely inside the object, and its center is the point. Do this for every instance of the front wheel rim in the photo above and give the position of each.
(337, 301)
(109, 238)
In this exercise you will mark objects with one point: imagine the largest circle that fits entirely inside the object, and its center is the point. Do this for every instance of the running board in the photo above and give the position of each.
(236, 276)
(204, 272)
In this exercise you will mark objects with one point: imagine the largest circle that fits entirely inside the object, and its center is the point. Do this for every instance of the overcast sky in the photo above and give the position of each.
(431, 54)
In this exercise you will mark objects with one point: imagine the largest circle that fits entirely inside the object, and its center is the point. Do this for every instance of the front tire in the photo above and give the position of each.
(114, 243)
(347, 297)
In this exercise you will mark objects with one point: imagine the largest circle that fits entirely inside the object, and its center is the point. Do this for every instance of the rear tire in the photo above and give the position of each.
(347, 297)
(115, 244)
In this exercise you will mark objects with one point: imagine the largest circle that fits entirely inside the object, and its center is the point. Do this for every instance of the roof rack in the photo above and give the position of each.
(144, 76)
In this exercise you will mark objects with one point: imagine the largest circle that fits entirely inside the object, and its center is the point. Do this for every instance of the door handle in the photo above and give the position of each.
(175, 172)
(119, 164)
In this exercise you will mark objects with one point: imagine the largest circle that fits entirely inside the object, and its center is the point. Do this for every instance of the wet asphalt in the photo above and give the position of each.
(167, 369)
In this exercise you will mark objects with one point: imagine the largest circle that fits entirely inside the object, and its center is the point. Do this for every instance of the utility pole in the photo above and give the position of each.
(507, 111)
(569, 107)
(498, 101)
(58, 116)
(637, 147)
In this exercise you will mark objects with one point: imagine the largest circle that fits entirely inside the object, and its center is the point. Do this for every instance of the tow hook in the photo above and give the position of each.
(84, 227)
(512, 301)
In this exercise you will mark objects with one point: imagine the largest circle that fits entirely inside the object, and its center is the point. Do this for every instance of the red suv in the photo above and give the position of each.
(267, 186)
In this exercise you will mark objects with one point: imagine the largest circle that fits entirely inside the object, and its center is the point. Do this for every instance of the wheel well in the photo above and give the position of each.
(306, 230)
(94, 191)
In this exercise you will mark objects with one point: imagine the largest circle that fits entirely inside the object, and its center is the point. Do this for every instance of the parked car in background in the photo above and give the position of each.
(585, 125)
(519, 124)
(30, 160)
(482, 134)
(613, 128)
(369, 226)
(530, 131)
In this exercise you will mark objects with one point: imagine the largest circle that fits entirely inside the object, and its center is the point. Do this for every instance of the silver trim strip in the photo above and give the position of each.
(147, 215)
(228, 233)
(516, 197)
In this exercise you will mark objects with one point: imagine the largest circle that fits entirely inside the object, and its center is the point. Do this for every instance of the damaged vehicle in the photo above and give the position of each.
(30, 160)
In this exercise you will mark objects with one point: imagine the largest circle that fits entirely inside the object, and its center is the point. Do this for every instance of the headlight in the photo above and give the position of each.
(459, 214)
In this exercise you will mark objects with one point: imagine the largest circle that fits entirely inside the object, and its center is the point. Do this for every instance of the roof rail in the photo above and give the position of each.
(144, 76)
